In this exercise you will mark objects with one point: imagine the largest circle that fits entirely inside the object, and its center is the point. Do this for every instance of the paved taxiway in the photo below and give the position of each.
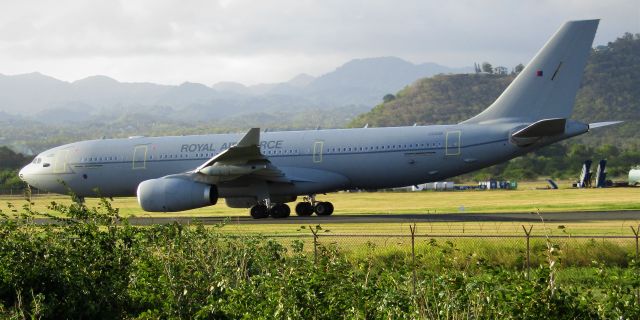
(391, 218)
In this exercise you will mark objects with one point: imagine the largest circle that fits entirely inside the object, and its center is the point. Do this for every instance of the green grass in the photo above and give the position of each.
(527, 200)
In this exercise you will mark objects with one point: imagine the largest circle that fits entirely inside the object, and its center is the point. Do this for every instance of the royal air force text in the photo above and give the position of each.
(210, 147)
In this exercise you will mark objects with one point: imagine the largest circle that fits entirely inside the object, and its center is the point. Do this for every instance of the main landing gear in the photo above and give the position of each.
(310, 206)
(306, 208)
(279, 210)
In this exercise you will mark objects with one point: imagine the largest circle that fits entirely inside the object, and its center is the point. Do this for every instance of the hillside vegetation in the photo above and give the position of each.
(10, 162)
(609, 91)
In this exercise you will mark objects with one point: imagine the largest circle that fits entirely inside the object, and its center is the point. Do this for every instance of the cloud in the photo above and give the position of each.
(263, 41)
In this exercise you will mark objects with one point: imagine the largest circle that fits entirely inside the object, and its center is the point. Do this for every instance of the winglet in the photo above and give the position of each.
(251, 138)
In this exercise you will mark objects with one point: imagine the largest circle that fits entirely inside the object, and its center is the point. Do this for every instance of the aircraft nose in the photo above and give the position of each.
(23, 174)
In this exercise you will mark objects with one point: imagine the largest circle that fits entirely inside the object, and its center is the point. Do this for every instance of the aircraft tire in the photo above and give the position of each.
(304, 209)
(280, 211)
(323, 208)
(259, 211)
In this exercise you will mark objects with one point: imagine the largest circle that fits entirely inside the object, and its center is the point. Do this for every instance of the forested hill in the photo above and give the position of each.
(442, 99)
(610, 91)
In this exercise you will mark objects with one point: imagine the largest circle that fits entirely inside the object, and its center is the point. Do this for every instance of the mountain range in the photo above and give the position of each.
(359, 83)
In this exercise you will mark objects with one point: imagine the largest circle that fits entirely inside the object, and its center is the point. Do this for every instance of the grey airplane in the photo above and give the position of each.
(266, 170)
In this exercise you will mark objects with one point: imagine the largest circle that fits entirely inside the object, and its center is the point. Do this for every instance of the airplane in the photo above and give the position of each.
(264, 171)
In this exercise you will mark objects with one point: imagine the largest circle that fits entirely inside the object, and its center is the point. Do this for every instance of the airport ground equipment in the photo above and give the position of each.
(634, 176)
(585, 175)
(601, 174)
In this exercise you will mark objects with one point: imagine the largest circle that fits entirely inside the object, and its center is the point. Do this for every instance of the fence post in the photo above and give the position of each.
(27, 195)
(528, 235)
(413, 254)
(315, 244)
(636, 232)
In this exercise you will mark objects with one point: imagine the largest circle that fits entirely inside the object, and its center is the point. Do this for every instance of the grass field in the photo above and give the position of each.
(527, 199)
(162, 263)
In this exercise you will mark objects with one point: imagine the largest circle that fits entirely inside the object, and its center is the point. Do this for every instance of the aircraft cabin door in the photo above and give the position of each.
(317, 151)
(452, 143)
(60, 164)
(139, 160)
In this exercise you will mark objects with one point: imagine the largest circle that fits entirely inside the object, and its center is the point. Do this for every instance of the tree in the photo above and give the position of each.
(519, 68)
(10, 159)
(388, 98)
(487, 67)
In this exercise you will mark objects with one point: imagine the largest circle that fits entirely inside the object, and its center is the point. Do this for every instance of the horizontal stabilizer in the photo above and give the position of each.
(602, 124)
(542, 128)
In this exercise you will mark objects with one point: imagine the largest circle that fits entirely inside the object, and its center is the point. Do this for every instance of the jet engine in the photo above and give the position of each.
(175, 194)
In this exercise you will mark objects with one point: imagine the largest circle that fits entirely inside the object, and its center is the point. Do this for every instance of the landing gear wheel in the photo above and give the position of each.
(323, 208)
(259, 211)
(280, 210)
(304, 209)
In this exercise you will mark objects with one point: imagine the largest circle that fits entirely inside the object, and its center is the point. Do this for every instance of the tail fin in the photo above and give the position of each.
(547, 87)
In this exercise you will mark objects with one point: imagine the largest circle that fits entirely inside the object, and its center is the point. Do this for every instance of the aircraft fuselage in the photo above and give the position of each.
(363, 158)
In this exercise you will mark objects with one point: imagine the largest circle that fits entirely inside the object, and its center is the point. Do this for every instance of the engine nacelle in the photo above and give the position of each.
(175, 194)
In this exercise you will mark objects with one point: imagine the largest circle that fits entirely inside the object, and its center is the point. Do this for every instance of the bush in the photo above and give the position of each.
(93, 264)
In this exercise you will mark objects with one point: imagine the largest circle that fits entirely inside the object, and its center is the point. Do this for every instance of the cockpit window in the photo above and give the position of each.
(36, 160)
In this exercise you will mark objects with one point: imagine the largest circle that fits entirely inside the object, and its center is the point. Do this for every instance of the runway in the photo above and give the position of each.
(406, 218)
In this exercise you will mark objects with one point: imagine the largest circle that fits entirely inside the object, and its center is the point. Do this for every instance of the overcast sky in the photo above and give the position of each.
(249, 41)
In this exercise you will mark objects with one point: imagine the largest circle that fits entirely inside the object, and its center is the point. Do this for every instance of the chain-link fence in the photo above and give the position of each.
(571, 259)
(521, 252)
(21, 192)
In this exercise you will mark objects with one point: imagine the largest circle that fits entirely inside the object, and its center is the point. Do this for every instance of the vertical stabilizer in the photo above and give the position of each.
(547, 86)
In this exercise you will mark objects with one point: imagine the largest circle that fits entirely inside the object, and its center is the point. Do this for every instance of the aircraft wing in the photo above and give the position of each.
(241, 160)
